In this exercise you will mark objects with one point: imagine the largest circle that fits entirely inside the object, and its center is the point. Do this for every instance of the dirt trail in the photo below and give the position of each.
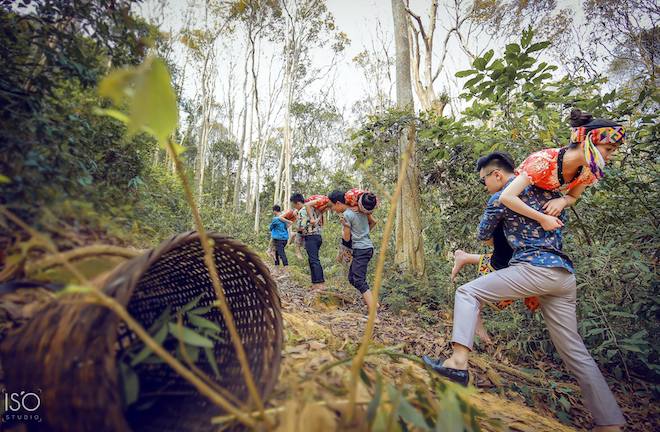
(322, 328)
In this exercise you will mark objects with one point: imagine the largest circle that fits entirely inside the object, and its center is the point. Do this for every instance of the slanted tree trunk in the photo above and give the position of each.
(409, 243)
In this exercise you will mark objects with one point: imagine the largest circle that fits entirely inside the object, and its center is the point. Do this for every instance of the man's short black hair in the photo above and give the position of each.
(277, 208)
(337, 195)
(501, 160)
(298, 198)
(369, 201)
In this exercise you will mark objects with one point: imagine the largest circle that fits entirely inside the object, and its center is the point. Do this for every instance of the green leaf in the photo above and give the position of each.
(75, 289)
(513, 49)
(191, 304)
(189, 336)
(192, 352)
(146, 351)
(538, 47)
(631, 348)
(375, 402)
(497, 65)
(116, 84)
(201, 322)
(473, 81)
(130, 383)
(639, 334)
(410, 414)
(365, 378)
(527, 37)
(178, 148)
(154, 102)
(210, 357)
(464, 73)
(565, 404)
(623, 314)
(479, 63)
(217, 337)
(117, 115)
(450, 418)
(162, 319)
(488, 56)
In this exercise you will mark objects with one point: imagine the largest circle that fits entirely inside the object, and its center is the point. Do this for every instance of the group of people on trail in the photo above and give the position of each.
(307, 217)
(523, 222)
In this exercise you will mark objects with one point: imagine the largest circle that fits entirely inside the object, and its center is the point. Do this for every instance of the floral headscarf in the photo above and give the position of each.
(595, 133)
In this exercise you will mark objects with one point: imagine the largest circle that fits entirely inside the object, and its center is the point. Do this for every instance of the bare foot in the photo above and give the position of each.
(483, 334)
(453, 364)
(460, 259)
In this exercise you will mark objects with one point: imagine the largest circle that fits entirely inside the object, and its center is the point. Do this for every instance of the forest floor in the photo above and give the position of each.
(323, 330)
(326, 327)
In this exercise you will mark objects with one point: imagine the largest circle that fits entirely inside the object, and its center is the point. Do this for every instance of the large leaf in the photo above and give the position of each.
(450, 418)
(154, 102)
(464, 73)
(189, 336)
(191, 304)
(538, 46)
(130, 383)
(473, 81)
(411, 415)
(213, 361)
(375, 402)
(159, 337)
(513, 49)
(116, 84)
(488, 56)
(201, 322)
(527, 37)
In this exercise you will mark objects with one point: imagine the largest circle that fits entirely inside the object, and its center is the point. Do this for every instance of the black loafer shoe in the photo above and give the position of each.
(459, 376)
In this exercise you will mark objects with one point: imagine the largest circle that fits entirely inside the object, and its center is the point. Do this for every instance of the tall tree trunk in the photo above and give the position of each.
(248, 151)
(409, 242)
(206, 126)
(277, 198)
(239, 170)
(226, 194)
(288, 139)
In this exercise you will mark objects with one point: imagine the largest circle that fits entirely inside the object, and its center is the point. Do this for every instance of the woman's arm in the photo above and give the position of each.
(286, 221)
(346, 233)
(554, 207)
(372, 221)
(310, 214)
(509, 198)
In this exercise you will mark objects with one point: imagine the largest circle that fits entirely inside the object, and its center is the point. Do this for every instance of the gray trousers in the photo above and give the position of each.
(556, 290)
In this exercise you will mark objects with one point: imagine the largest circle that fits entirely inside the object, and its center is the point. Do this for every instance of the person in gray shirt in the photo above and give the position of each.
(356, 236)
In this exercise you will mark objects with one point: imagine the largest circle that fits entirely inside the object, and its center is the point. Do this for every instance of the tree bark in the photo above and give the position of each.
(409, 242)
(239, 170)
(206, 125)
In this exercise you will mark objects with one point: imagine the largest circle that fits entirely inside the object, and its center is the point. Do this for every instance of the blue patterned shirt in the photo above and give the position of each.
(529, 241)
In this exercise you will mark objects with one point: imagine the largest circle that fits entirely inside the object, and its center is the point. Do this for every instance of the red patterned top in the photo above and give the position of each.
(291, 215)
(542, 170)
(322, 201)
(351, 197)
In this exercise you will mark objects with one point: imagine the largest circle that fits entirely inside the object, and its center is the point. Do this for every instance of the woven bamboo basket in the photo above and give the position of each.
(69, 350)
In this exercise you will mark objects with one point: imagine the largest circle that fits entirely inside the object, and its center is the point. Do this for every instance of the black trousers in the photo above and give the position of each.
(312, 245)
(357, 274)
(279, 252)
